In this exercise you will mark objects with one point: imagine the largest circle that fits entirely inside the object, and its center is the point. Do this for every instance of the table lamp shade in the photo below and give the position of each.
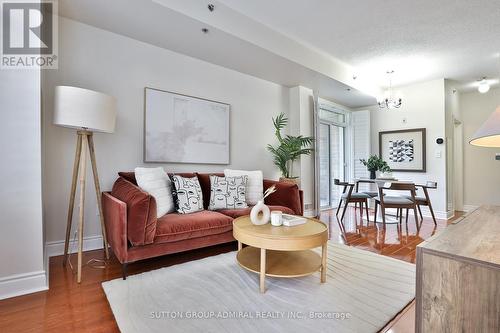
(84, 109)
(488, 135)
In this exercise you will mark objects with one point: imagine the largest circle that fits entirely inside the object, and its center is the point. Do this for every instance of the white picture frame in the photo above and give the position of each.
(185, 129)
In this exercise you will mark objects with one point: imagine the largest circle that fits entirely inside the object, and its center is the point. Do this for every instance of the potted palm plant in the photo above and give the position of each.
(289, 149)
(374, 164)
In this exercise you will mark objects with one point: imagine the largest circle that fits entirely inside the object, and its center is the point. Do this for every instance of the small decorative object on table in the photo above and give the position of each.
(374, 164)
(292, 220)
(276, 218)
(260, 207)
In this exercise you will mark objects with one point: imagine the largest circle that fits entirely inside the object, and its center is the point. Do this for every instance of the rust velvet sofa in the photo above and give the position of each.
(134, 233)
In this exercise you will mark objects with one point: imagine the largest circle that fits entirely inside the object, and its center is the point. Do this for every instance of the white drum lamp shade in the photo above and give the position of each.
(488, 135)
(85, 109)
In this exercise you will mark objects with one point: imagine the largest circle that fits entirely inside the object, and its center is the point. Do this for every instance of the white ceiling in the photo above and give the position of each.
(420, 39)
(320, 44)
(160, 25)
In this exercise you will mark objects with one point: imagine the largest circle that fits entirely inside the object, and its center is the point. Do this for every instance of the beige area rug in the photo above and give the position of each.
(363, 292)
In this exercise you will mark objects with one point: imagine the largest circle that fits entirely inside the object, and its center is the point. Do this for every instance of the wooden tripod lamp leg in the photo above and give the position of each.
(98, 192)
(72, 194)
(81, 215)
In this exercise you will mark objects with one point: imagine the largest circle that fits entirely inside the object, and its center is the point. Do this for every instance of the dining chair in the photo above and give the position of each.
(384, 200)
(349, 196)
(372, 194)
(425, 199)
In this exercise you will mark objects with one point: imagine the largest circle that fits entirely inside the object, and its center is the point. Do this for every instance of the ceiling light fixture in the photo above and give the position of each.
(483, 86)
(389, 101)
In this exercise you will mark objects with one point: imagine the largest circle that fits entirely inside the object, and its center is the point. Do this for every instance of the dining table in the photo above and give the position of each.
(384, 180)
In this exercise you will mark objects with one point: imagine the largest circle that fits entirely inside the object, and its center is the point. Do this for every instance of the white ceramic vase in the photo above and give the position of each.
(260, 207)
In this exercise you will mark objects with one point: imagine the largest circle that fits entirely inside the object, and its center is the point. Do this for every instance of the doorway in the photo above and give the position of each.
(332, 162)
(458, 163)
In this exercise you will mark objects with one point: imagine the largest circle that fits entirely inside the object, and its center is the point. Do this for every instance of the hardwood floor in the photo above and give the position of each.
(69, 307)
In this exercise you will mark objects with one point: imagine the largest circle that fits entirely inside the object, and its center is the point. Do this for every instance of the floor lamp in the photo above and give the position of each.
(86, 111)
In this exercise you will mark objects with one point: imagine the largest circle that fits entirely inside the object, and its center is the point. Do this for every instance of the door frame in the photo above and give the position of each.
(332, 107)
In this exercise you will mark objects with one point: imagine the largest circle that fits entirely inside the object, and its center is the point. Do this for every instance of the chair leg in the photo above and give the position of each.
(338, 208)
(124, 271)
(407, 210)
(420, 212)
(343, 211)
(361, 212)
(375, 216)
(432, 213)
(382, 209)
(367, 215)
(400, 210)
(416, 217)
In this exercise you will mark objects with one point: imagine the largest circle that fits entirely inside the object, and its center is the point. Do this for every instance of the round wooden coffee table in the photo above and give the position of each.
(281, 251)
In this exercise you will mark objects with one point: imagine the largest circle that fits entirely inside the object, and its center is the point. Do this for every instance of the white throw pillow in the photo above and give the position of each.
(155, 181)
(188, 193)
(227, 192)
(254, 188)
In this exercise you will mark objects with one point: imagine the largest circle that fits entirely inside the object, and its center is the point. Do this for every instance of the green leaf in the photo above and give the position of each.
(290, 147)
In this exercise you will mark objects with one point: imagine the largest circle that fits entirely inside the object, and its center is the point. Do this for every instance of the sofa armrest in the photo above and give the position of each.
(287, 195)
(141, 211)
(115, 219)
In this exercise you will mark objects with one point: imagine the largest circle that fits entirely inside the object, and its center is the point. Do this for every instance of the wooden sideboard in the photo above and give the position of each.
(458, 276)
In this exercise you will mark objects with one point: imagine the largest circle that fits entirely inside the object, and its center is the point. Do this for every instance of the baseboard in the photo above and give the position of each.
(22, 284)
(469, 208)
(56, 248)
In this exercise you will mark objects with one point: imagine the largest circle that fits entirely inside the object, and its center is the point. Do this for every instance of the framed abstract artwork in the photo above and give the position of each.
(185, 129)
(403, 150)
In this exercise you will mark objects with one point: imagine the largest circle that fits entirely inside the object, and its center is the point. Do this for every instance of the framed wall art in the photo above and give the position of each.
(403, 150)
(185, 129)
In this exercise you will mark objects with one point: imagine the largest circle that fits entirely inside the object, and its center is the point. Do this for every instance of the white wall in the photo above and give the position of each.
(21, 230)
(301, 123)
(481, 170)
(122, 67)
(423, 106)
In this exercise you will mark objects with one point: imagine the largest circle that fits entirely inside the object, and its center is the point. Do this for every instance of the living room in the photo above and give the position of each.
(267, 105)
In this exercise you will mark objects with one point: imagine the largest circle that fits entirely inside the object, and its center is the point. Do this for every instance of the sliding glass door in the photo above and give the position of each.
(331, 158)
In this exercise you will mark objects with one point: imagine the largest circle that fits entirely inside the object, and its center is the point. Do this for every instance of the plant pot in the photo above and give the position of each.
(373, 174)
(295, 181)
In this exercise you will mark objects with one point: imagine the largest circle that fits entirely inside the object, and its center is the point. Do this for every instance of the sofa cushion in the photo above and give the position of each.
(156, 182)
(287, 194)
(141, 211)
(254, 187)
(227, 192)
(234, 213)
(175, 227)
(127, 175)
(188, 194)
(204, 179)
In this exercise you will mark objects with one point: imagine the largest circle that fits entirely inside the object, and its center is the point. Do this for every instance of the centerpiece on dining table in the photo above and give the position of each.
(374, 164)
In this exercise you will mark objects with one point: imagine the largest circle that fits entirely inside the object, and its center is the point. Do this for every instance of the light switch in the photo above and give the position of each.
(438, 153)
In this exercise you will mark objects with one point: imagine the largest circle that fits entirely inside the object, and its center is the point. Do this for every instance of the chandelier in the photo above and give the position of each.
(389, 101)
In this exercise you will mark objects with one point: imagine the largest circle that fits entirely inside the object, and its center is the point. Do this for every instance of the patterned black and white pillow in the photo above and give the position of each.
(227, 192)
(188, 194)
